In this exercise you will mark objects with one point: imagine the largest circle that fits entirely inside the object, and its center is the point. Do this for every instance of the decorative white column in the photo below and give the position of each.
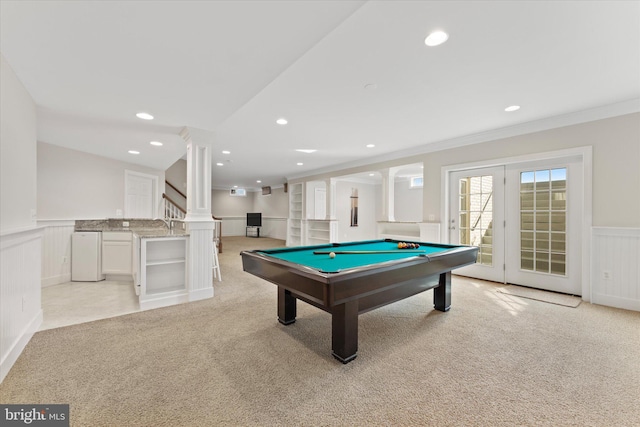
(330, 185)
(388, 193)
(199, 220)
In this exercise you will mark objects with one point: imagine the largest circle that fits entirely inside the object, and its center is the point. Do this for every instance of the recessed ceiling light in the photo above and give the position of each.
(282, 121)
(134, 152)
(299, 163)
(370, 145)
(371, 174)
(235, 186)
(226, 152)
(436, 38)
(219, 164)
(258, 181)
(512, 108)
(304, 150)
(144, 116)
(156, 143)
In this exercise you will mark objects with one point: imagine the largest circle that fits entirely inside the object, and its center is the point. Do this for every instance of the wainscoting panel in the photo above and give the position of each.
(20, 293)
(56, 251)
(615, 266)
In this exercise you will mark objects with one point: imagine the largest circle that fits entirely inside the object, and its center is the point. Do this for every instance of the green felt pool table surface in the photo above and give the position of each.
(305, 256)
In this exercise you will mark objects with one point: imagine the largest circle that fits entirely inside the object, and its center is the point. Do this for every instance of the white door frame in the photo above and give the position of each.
(154, 190)
(586, 156)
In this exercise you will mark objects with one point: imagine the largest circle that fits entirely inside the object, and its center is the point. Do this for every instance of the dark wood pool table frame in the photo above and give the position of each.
(351, 292)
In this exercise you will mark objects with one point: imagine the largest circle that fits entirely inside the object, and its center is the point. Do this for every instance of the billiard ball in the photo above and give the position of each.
(332, 255)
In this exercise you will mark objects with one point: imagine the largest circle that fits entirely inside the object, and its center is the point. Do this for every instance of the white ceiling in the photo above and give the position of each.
(234, 67)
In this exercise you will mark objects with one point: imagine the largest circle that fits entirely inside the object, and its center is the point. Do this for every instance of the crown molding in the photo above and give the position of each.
(577, 117)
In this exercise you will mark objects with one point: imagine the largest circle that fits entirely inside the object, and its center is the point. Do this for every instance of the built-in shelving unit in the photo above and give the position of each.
(162, 271)
(295, 235)
(318, 231)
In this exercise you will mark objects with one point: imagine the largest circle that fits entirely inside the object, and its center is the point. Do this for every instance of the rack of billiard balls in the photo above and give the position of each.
(405, 245)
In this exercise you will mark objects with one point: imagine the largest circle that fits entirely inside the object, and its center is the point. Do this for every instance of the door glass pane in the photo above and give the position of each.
(543, 221)
(476, 215)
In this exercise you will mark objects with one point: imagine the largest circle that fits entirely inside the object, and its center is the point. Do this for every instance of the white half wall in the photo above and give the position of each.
(56, 251)
(20, 294)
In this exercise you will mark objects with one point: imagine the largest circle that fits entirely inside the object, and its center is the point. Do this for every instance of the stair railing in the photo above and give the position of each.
(173, 211)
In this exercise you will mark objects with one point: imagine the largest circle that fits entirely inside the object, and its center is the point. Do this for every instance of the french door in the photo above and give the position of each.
(526, 220)
(544, 218)
(477, 219)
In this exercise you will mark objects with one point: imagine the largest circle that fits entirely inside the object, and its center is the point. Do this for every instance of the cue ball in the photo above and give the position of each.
(332, 255)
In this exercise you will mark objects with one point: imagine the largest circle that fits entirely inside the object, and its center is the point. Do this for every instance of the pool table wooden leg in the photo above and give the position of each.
(286, 306)
(442, 294)
(344, 331)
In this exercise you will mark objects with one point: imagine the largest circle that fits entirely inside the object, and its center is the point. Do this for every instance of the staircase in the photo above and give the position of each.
(173, 211)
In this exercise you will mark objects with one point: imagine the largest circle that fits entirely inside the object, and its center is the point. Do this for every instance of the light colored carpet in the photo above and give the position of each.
(539, 295)
(493, 360)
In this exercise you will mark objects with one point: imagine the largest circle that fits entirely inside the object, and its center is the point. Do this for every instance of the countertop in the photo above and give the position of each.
(144, 229)
(162, 232)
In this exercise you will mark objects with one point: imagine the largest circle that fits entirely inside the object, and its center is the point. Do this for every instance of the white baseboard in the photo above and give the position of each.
(201, 294)
(12, 355)
(618, 302)
(170, 298)
(56, 280)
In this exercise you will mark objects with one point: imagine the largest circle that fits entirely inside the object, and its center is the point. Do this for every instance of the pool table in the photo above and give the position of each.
(360, 277)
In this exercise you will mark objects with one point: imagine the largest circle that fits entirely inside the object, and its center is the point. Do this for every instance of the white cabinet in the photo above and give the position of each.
(163, 274)
(116, 252)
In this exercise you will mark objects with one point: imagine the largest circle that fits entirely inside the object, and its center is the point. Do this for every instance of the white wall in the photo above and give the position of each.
(233, 212)
(407, 201)
(20, 239)
(18, 135)
(368, 211)
(274, 205)
(225, 205)
(616, 164)
(77, 185)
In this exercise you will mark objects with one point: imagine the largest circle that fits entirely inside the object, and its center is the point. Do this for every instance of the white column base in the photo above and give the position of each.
(200, 260)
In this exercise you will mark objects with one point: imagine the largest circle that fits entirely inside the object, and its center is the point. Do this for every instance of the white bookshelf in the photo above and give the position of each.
(295, 235)
(318, 232)
(162, 271)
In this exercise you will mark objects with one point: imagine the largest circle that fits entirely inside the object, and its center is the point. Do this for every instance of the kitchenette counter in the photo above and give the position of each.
(142, 228)
(154, 255)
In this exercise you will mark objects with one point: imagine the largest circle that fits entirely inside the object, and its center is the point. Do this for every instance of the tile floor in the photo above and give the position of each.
(78, 302)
